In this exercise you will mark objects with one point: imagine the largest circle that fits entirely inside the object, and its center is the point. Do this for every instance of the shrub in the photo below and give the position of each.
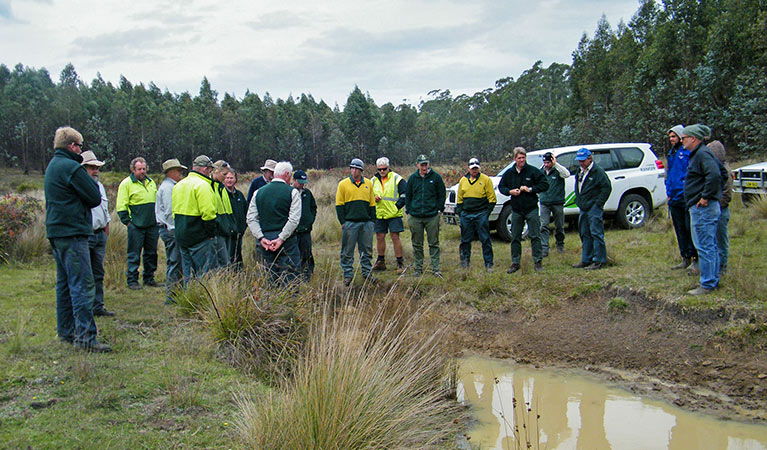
(17, 212)
(32, 244)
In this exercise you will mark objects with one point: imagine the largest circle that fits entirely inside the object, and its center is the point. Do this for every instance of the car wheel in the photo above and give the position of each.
(633, 211)
(503, 224)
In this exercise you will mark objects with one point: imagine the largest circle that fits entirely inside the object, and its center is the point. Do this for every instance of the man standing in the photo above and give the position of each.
(97, 242)
(722, 235)
(194, 217)
(304, 229)
(163, 210)
(136, 197)
(239, 215)
(425, 199)
(523, 182)
(355, 209)
(389, 190)
(69, 196)
(553, 203)
(224, 215)
(476, 200)
(267, 174)
(677, 162)
(273, 216)
(592, 188)
(702, 190)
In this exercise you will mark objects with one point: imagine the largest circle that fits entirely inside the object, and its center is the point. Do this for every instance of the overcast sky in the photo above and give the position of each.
(395, 49)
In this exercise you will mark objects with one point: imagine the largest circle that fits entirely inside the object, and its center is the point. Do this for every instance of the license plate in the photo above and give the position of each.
(751, 184)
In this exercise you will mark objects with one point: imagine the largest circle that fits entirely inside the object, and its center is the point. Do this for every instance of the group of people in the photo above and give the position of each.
(699, 190)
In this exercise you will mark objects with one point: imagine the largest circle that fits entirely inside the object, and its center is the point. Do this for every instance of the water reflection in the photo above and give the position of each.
(562, 410)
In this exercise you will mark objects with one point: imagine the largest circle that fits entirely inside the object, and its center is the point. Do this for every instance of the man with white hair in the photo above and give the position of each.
(274, 228)
(389, 189)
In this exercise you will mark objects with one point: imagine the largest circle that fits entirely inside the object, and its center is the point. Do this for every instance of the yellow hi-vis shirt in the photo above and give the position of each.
(386, 208)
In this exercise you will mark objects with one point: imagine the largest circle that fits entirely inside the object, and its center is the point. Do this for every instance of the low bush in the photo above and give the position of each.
(17, 213)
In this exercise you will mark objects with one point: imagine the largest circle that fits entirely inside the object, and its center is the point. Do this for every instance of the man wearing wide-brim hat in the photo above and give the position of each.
(163, 208)
(267, 175)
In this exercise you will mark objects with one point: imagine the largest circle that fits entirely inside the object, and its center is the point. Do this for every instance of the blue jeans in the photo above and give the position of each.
(198, 259)
(173, 272)
(282, 264)
(704, 221)
(475, 224)
(591, 228)
(74, 290)
(360, 235)
(307, 259)
(141, 239)
(680, 218)
(97, 247)
(723, 239)
(558, 212)
(533, 220)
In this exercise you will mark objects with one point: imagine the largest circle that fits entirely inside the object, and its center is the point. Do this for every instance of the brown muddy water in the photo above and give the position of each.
(571, 410)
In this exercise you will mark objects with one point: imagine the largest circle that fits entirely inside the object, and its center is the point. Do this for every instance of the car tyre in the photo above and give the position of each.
(503, 224)
(633, 211)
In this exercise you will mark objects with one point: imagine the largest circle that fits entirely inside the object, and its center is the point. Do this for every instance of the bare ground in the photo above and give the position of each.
(652, 347)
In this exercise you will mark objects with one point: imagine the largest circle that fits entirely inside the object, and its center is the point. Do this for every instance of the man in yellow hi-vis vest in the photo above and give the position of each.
(389, 189)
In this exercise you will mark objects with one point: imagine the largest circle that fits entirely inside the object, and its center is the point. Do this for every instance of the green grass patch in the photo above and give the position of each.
(617, 305)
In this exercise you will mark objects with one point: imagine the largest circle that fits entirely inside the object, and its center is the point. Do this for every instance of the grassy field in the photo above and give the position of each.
(168, 384)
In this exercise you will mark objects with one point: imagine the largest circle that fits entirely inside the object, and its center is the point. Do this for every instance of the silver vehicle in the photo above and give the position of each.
(750, 181)
(636, 174)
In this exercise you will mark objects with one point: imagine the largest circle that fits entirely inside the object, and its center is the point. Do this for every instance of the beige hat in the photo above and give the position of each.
(90, 159)
(269, 164)
(172, 164)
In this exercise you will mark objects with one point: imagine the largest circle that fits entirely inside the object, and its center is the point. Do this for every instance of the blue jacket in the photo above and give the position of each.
(678, 160)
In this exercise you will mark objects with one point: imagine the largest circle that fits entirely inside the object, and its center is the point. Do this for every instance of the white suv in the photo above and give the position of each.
(636, 174)
(751, 181)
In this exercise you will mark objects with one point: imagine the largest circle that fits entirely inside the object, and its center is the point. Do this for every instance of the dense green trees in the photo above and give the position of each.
(678, 61)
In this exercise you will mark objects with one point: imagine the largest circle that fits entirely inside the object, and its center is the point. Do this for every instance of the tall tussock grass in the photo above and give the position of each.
(115, 254)
(32, 244)
(374, 374)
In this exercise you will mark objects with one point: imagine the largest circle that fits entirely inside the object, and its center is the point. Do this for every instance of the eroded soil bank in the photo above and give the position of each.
(652, 347)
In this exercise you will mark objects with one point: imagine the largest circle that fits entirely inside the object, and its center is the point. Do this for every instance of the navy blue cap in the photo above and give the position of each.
(582, 154)
(300, 176)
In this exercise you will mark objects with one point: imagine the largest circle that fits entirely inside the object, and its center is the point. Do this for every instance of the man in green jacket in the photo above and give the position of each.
(304, 229)
(70, 193)
(136, 198)
(425, 199)
(553, 203)
(592, 188)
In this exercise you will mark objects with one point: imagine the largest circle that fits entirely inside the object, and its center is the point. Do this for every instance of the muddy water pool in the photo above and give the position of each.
(571, 410)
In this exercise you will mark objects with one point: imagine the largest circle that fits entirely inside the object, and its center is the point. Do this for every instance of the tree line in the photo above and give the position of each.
(677, 61)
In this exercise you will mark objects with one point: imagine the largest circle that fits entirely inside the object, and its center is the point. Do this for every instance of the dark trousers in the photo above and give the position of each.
(591, 227)
(307, 259)
(681, 220)
(533, 220)
(74, 290)
(173, 272)
(234, 246)
(475, 224)
(97, 246)
(282, 264)
(558, 213)
(141, 239)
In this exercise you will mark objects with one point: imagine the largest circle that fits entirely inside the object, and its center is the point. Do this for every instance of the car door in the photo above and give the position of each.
(619, 176)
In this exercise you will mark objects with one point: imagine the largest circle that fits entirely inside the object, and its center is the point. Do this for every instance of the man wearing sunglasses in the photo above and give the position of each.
(389, 190)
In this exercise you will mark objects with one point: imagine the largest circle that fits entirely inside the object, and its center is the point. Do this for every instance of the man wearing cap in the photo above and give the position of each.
(553, 202)
(69, 196)
(267, 175)
(273, 216)
(304, 229)
(163, 211)
(702, 190)
(523, 183)
(592, 188)
(194, 217)
(476, 200)
(677, 161)
(425, 200)
(355, 209)
(97, 242)
(136, 197)
(389, 190)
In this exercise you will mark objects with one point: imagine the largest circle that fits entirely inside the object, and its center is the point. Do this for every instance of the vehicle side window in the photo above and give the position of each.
(604, 159)
(629, 157)
(568, 160)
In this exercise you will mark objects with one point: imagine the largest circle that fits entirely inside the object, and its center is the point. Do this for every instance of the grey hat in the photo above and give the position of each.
(357, 164)
(269, 164)
(676, 129)
(422, 159)
(698, 131)
(203, 161)
(89, 159)
(172, 164)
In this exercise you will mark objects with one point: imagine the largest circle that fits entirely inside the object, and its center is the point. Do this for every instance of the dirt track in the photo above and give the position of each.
(652, 347)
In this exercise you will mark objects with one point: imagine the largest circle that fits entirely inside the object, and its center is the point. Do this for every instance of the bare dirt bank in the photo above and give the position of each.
(652, 347)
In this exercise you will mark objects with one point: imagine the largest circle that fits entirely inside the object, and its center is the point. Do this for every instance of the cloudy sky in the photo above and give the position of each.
(395, 49)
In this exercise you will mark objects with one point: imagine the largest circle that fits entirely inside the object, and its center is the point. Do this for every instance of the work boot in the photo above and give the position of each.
(595, 266)
(538, 266)
(682, 265)
(347, 281)
(134, 286)
(380, 264)
(95, 347)
(514, 268)
(152, 283)
(103, 312)
(693, 268)
(581, 265)
(400, 267)
(700, 290)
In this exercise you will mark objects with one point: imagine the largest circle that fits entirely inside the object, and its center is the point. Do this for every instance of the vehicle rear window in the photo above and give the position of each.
(629, 157)
(604, 159)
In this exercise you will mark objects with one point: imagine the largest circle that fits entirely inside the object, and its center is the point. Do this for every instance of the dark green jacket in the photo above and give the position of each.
(239, 210)
(596, 189)
(555, 194)
(425, 195)
(308, 211)
(273, 202)
(529, 176)
(705, 178)
(70, 193)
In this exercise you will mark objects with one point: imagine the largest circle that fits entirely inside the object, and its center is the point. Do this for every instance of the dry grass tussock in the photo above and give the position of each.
(373, 375)
(758, 207)
(114, 258)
